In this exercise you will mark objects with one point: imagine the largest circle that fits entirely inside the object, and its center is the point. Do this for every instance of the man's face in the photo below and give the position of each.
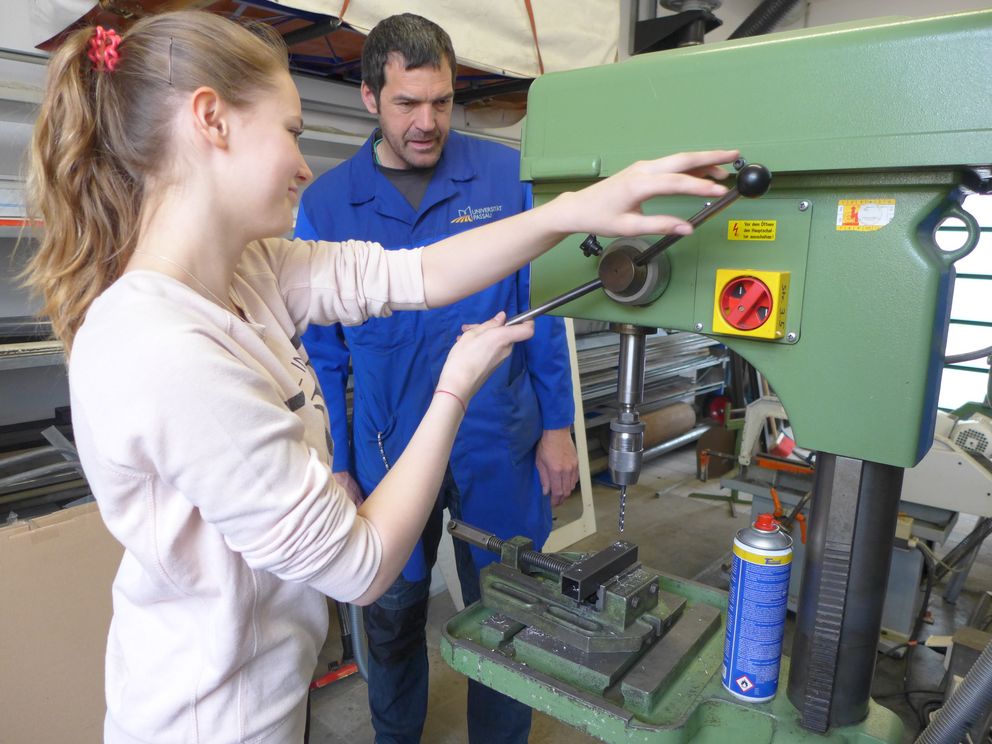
(414, 110)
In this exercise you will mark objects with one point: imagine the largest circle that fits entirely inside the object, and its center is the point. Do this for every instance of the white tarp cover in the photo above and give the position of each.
(45, 18)
(495, 35)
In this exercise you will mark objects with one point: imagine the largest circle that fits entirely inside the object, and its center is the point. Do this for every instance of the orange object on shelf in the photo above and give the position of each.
(786, 467)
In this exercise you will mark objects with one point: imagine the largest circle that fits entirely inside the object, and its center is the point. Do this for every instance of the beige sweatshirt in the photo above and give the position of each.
(204, 439)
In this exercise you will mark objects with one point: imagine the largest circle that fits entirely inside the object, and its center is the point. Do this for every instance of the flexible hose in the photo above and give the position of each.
(972, 541)
(965, 705)
(763, 19)
(359, 644)
(968, 356)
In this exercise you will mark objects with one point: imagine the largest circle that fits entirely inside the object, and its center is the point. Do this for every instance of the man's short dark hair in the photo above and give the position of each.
(421, 42)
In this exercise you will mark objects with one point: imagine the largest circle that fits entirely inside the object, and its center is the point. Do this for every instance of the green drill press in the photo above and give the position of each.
(832, 285)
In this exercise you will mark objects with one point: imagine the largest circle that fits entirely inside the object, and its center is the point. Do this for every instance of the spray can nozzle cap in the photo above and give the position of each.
(766, 523)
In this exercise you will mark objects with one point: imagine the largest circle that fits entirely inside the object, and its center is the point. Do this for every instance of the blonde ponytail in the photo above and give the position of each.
(100, 135)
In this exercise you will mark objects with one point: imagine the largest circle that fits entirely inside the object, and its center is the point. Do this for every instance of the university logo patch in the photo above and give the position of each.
(477, 215)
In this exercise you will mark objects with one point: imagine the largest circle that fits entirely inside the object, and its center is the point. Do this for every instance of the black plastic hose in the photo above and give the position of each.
(763, 19)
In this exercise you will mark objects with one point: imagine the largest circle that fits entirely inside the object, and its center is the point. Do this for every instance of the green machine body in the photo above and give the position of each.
(874, 135)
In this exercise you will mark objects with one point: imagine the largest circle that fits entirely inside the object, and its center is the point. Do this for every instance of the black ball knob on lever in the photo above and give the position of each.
(753, 180)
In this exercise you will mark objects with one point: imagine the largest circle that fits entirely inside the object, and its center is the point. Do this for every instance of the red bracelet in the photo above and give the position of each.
(448, 392)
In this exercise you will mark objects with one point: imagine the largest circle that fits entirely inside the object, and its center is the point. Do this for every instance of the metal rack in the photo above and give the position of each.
(673, 362)
(35, 474)
(26, 341)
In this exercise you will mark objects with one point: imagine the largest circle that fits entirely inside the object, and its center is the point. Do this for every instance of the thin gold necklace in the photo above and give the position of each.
(192, 276)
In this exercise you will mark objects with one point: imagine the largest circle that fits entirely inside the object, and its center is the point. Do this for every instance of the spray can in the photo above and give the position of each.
(756, 607)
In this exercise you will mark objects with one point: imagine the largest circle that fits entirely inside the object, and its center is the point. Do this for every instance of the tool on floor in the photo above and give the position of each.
(352, 648)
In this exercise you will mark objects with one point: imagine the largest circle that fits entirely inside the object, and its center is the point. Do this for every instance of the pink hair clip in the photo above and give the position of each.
(103, 49)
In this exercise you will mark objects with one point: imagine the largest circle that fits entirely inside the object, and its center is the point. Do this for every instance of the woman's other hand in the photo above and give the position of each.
(479, 350)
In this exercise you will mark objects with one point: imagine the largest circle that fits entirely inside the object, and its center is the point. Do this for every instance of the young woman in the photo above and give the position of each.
(160, 163)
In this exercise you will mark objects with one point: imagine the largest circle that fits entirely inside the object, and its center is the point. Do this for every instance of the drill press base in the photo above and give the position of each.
(669, 694)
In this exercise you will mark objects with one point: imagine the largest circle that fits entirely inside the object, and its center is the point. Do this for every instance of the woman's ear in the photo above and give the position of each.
(210, 116)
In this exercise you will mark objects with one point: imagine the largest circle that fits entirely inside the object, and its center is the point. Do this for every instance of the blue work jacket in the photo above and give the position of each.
(397, 360)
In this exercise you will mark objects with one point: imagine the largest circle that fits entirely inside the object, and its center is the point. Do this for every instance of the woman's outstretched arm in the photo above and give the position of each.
(470, 261)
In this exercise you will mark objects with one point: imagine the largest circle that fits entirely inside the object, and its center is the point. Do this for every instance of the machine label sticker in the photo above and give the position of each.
(865, 215)
(751, 229)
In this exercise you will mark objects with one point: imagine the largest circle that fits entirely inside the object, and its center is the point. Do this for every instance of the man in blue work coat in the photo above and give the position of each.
(411, 184)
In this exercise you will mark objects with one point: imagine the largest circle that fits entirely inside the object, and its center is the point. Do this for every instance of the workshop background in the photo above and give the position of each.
(716, 435)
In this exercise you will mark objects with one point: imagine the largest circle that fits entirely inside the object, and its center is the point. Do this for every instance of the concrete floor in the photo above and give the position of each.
(677, 534)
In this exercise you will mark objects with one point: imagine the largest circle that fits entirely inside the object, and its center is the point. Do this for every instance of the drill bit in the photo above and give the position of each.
(623, 503)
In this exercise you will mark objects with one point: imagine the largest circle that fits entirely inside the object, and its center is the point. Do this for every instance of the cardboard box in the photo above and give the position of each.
(55, 609)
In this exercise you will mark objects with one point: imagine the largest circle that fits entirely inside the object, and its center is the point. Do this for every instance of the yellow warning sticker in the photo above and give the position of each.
(865, 215)
(751, 229)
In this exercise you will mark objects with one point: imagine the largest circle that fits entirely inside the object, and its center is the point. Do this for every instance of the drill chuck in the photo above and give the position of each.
(626, 448)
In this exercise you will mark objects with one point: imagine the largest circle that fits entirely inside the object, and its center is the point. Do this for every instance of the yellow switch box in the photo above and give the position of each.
(751, 303)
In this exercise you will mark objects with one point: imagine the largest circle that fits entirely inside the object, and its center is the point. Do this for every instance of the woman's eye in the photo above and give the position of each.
(297, 133)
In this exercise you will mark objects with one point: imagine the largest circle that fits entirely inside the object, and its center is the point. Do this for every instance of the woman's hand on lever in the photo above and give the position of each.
(612, 207)
(479, 350)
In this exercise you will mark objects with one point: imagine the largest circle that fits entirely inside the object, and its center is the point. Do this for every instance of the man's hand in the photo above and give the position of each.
(350, 487)
(557, 464)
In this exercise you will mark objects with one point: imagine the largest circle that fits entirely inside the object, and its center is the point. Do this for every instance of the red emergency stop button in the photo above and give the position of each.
(746, 303)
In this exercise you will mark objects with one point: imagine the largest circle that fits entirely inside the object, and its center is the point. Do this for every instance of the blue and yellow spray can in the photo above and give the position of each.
(756, 607)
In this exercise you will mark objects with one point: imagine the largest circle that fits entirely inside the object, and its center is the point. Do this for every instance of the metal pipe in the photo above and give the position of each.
(359, 642)
(630, 367)
(40, 489)
(673, 444)
(572, 294)
(27, 475)
(313, 31)
(696, 220)
(48, 496)
(27, 456)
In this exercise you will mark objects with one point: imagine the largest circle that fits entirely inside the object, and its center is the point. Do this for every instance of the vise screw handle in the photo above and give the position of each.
(534, 559)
